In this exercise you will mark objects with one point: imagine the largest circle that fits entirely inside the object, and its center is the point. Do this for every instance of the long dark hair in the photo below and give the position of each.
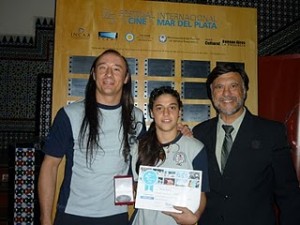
(91, 123)
(150, 150)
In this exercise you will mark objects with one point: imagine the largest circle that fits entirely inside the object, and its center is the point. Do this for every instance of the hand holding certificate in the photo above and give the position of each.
(162, 188)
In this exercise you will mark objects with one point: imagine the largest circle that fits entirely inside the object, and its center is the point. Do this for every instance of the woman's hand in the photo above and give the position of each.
(185, 217)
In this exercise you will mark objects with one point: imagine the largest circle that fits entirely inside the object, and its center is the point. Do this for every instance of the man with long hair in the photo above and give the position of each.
(94, 135)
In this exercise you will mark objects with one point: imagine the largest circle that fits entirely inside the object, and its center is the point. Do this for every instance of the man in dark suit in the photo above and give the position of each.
(258, 172)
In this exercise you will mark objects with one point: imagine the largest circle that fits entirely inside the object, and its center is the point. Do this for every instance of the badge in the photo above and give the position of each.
(179, 158)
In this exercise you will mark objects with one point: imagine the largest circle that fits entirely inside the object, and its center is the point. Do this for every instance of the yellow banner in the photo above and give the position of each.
(166, 43)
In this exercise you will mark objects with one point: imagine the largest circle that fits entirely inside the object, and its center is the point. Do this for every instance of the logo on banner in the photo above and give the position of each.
(238, 43)
(129, 37)
(212, 42)
(107, 35)
(81, 33)
(163, 38)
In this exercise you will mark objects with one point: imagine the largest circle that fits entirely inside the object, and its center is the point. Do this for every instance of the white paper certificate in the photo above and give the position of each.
(162, 188)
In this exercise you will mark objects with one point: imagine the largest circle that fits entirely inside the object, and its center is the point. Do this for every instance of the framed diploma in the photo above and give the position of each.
(162, 188)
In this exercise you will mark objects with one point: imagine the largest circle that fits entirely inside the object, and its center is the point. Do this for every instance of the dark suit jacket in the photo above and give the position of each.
(258, 169)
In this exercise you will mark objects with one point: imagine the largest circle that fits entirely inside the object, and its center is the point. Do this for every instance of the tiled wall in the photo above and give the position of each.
(26, 66)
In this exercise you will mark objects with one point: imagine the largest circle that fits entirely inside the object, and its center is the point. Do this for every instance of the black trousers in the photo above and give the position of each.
(67, 219)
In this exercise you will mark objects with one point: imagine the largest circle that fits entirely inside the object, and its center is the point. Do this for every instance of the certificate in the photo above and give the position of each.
(162, 188)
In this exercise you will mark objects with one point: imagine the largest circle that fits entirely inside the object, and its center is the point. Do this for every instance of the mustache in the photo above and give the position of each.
(231, 98)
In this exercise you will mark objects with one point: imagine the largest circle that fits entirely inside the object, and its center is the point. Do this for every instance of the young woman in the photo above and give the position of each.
(164, 146)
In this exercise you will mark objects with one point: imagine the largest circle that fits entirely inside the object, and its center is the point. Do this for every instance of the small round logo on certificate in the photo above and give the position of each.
(149, 178)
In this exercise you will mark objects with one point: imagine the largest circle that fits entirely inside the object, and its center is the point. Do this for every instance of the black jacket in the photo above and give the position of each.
(259, 170)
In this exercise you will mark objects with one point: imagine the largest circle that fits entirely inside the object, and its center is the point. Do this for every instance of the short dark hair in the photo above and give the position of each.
(226, 68)
(156, 92)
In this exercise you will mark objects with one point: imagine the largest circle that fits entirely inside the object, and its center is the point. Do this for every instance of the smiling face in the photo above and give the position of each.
(228, 95)
(110, 74)
(165, 113)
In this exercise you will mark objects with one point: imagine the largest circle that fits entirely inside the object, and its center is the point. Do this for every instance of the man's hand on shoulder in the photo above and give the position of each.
(184, 129)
